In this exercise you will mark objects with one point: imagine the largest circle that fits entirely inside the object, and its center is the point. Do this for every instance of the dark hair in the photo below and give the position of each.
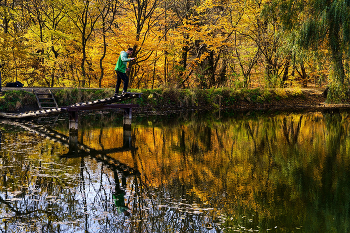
(130, 49)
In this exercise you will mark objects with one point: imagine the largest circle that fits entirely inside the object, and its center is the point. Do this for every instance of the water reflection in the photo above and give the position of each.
(119, 194)
(279, 173)
(67, 185)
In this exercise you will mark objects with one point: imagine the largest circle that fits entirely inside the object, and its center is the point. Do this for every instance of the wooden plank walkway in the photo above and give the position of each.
(74, 107)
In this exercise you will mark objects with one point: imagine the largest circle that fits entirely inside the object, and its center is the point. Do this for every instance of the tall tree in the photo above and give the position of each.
(108, 12)
(321, 24)
(84, 15)
(328, 21)
(47, 35)
(13, 53)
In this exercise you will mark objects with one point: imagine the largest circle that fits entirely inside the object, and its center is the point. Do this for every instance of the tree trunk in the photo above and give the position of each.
(337, 55)
(103, 55)
(286, 70)
(304, 75)
(184, 62)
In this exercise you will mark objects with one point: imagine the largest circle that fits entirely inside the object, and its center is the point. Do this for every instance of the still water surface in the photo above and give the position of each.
(184, 173)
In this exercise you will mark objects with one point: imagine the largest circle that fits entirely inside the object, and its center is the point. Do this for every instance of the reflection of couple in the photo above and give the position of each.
(118, 195)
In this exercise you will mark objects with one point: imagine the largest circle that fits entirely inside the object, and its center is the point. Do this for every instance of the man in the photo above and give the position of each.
(121, 69)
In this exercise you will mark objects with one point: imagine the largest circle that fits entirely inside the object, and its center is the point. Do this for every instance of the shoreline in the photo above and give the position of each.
(174, 100)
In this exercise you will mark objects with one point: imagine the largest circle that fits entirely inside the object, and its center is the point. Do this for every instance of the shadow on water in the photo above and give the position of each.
(178, 173)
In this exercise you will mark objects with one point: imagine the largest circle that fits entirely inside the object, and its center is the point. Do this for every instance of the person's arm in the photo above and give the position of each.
(124, 57)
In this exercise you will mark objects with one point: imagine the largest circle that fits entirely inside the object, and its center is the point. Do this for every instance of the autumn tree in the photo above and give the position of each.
(108, 12)
(13, 55)
(84, 15)
(321, 24)
(201, 36)
(186, 43)
(138, 28)
(259, 36)
(47, 18)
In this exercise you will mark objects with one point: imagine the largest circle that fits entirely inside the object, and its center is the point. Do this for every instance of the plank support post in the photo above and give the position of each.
(73, 120)
(127, 119)
(127, 140)
(73, 141)
(73, 131)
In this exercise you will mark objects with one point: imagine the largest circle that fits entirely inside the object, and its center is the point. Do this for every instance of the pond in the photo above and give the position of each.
(188, 172)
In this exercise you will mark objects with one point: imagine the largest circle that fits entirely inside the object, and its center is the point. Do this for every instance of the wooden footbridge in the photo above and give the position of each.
(77, 149)
(106, 103)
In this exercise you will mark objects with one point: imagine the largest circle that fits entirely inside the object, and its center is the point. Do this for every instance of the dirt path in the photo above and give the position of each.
(312, 99)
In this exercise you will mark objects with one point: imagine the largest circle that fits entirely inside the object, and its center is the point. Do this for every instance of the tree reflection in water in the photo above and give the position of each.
(284, 173)
(68, 187)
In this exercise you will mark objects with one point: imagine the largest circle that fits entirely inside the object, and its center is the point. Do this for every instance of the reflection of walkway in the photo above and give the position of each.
(77, 149)
(88, 191)
(153, 209)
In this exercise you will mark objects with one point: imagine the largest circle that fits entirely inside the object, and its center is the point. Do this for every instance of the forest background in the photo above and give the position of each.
(178, 43)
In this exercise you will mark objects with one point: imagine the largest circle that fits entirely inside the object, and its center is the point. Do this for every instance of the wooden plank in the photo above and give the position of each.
(95, 105)
(100, 107)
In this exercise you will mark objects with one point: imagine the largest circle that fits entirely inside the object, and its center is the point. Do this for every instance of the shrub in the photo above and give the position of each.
(14, 100)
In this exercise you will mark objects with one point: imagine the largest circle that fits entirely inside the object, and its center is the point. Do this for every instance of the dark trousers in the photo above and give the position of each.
(121, 76)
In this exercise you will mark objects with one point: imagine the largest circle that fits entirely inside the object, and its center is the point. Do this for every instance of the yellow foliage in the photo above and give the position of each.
(219, 41)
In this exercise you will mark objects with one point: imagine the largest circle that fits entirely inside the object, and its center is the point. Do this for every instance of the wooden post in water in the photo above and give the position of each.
(127, 119)
(127, 139)
(127, 143)
(73, 131)
(73, 120)
(73, 140)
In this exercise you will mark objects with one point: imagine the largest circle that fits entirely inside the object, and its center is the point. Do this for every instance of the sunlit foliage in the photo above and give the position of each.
(195, 44)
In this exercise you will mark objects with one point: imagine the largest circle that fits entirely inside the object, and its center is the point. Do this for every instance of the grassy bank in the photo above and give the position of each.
(165, 99)
(15, 100)
(214, 98)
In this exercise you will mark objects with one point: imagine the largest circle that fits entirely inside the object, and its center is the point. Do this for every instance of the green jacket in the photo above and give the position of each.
(122, 60)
